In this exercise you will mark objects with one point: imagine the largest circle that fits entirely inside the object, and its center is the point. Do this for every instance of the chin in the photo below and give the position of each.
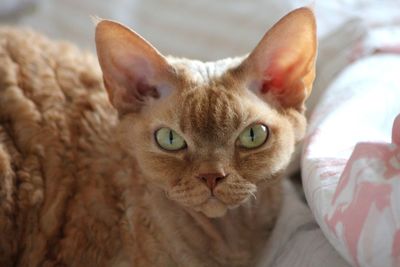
(212, 208)
(213, 204)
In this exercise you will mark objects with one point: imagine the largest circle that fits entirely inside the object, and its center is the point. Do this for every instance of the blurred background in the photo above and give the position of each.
(208, 29)
(202, 29)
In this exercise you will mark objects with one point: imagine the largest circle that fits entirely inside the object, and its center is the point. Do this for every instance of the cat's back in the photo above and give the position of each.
(48, 88)
(55, 127)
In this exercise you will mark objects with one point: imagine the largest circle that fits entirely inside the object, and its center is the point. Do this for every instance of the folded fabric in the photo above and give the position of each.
(350, 165)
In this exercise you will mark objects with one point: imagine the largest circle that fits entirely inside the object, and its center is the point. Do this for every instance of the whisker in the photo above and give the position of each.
(253, 195)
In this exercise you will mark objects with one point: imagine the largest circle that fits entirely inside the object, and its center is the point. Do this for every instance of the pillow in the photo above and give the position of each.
(351, 162)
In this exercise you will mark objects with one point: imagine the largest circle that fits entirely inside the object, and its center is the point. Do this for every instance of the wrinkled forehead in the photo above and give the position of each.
(211, 114)
(210, 106)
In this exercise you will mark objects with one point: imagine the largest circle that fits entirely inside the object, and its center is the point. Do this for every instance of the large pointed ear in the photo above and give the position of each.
(282, 66)
(133, 70)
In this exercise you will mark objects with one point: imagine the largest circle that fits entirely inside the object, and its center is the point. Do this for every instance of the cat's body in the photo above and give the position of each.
(66, 177)
(84, 185)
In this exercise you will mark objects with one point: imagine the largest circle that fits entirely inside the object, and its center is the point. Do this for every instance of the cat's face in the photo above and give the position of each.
(197, 143)
(208, 133)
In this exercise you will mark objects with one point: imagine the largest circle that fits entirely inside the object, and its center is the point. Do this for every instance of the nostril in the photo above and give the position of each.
(211, 179)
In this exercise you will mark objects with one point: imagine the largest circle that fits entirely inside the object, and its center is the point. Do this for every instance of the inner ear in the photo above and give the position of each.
(146, 90)
(133, 69)
(133, 96)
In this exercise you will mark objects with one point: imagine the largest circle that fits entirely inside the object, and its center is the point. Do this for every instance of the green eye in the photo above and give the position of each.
(169, 139)
(253, 136)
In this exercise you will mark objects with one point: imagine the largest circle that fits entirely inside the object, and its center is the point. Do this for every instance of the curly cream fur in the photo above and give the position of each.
(55, 151)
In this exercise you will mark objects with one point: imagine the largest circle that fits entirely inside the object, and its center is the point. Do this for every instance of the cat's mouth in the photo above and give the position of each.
(215, 202)
(214, 207)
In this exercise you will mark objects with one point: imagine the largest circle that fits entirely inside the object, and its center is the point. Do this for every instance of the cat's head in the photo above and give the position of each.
(208, 133)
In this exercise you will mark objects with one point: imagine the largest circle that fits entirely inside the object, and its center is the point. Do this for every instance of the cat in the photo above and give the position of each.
(169, 162)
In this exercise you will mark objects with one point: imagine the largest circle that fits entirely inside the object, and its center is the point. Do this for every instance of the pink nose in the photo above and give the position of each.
(211, 179)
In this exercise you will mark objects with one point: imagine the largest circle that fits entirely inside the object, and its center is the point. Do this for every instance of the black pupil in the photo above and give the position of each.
(252, 134)
(171, 137)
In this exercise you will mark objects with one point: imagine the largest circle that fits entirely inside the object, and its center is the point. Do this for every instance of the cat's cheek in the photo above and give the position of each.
(235, 193)
(264, 165)
(188, 193)
(162, 169)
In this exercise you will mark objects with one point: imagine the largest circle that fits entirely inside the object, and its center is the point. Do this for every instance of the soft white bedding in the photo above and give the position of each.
(351, 165)
(351, 162)
(298, 241)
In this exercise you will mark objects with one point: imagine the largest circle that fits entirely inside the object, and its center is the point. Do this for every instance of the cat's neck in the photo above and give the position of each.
(239, 233)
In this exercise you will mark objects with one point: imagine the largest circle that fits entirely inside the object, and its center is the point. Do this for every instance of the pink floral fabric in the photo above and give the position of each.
(351, 162)
(370, 176)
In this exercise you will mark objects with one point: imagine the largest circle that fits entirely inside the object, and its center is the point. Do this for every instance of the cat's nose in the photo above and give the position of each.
(211, 179)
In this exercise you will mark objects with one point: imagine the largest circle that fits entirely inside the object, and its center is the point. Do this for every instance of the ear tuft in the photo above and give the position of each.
(95, 19)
